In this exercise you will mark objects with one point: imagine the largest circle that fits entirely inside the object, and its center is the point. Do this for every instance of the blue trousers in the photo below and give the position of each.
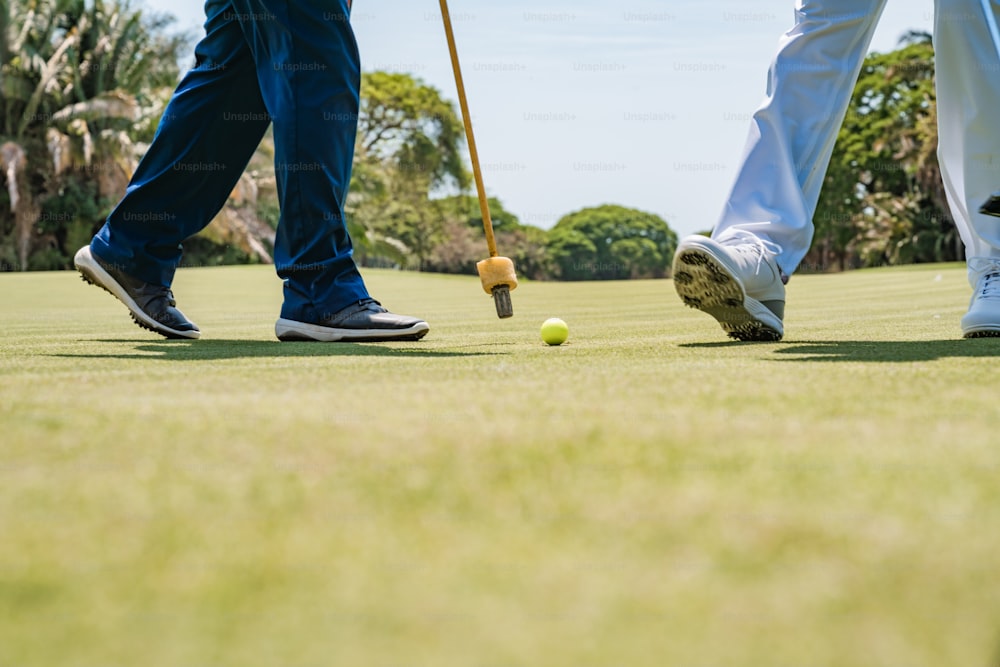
(293, 63)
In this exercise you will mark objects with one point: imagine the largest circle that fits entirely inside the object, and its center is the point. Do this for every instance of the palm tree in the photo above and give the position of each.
(81, 82)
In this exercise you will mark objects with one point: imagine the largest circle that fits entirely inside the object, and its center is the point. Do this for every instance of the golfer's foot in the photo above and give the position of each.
(152, 306)
(737, 282)
(983, 318)
(365, 321)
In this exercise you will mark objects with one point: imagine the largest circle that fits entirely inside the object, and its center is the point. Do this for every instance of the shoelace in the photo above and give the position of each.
(989, 286)
(988, 268)
(757, 248)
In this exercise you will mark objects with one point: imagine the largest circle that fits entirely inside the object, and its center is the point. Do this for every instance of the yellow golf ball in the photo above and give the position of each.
(554, 331)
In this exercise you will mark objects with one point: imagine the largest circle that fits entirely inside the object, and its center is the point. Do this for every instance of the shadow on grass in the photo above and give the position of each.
(210, 350)
(876, 350)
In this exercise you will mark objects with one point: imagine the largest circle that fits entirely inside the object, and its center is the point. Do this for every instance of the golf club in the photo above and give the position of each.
(496, 273)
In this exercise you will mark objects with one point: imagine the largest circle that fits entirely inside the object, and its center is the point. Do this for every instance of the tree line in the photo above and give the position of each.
(85, 81)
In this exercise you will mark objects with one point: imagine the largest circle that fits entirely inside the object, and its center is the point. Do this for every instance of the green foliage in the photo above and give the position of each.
(641, 254)
(573, 254)
(76, 200)
(47, 258)
(68, 219)
(82, 82)
(611, 243)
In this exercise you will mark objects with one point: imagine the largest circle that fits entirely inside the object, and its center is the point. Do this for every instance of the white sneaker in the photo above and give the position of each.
(983, 318)
(737, 282)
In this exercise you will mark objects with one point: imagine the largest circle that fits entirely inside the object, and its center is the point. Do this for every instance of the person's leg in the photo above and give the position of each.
(309, 73)
(766, 226)
(793, 133)
(967, 71)
(209, 130)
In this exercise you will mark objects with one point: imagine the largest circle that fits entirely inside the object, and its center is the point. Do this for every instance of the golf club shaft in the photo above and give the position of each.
(484, 206)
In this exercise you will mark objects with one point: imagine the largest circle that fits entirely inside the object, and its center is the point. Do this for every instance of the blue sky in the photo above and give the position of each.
(578, 103)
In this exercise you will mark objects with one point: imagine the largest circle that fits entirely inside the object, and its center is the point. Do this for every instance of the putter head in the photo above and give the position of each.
(501, 298)
(498, 278)
(992, 205)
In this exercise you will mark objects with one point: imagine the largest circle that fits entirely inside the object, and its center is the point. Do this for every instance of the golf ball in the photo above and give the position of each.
(554, 331)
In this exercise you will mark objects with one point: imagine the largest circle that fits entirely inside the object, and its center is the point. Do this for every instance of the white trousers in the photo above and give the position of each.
(809, 87)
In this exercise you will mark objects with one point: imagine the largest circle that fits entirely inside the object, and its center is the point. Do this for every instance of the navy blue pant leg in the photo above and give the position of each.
(293, 63)
(208, 132)
(309, 72)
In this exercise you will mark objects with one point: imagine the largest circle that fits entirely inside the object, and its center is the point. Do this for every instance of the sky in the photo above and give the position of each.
(577, 103)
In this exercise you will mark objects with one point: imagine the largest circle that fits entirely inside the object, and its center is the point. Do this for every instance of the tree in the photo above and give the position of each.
(573, 254)
(640, 255)
(611, 243)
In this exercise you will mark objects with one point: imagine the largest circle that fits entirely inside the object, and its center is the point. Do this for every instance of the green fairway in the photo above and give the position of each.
(647, 494)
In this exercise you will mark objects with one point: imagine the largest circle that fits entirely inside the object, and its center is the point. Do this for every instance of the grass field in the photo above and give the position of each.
(648, 494)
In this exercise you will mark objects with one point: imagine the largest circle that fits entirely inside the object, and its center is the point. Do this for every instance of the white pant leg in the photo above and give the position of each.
(793, 133)
(968, 104)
